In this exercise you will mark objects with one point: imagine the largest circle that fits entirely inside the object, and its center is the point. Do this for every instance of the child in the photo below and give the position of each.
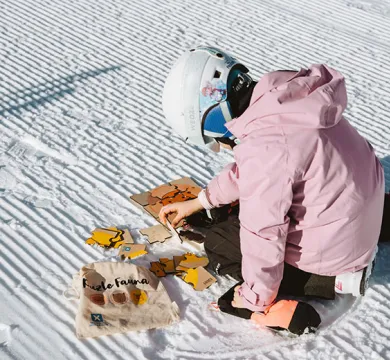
(310, 188)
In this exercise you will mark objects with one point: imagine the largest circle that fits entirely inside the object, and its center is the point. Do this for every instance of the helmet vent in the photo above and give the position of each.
(219, 55)
(217, 74)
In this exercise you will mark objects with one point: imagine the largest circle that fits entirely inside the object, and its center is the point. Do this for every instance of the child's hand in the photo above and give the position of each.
(237, 300)
(183, 209)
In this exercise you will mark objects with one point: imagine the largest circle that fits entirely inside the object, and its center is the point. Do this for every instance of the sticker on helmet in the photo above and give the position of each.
(212, 92)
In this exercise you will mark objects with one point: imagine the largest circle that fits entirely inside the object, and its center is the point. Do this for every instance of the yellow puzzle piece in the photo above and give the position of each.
(132, 251)
(199, 278)
(192, 261)
(110, 237)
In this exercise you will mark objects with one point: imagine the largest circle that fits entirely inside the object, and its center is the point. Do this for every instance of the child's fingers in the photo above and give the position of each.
(165, 211)
(176, 220)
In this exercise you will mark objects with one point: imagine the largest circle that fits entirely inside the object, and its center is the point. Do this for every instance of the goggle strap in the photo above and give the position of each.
(226, 111)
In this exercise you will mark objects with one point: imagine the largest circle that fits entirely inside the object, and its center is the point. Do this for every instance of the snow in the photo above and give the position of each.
(81, 129)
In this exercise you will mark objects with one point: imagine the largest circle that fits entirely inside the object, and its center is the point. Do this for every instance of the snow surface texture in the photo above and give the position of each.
(81, 129)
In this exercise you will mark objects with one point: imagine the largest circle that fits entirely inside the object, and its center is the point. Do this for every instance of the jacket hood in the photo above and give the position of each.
(310, 98)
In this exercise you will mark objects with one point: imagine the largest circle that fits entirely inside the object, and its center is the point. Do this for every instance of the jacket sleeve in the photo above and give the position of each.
(265, 199)
(223, 189)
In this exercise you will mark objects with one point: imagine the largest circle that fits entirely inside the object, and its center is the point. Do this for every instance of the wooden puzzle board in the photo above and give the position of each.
(175, 191)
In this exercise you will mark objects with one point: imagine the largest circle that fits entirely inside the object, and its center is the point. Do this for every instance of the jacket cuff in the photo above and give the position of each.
(250, 299)
(204, 201)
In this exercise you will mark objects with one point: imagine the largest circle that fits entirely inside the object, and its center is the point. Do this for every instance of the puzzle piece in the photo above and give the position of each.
(160, 191)
(168, 265)
(157, 269)
(119, 239)
(194, 190)
(171, 194)
(153, 200)
(182, 187)
(91, 241)
(141, 199)
(186, 188)
(178, 197)
(178, 259)
(132, 251)
(171, 217)
(154, 210)
(157, 233)
(192, 261)
(127, 238)
(199, 278)
(106, 237)
(185, 181)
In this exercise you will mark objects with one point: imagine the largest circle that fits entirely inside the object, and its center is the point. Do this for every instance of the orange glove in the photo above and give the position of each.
(294, 316)
(291, 315)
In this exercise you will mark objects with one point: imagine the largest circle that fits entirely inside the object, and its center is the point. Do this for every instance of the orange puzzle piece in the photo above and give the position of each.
(157, 269)
(168, 265)
(162, 190)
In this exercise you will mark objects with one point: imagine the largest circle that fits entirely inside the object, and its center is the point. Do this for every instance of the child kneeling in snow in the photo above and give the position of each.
(310, 188)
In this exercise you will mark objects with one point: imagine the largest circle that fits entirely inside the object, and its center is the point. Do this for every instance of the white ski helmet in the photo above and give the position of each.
(196, 92)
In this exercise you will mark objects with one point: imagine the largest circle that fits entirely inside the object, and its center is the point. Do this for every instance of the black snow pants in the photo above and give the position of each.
(222, 245)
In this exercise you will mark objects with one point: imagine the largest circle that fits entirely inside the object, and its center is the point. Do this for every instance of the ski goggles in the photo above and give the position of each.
(213, 126)
(215, 119)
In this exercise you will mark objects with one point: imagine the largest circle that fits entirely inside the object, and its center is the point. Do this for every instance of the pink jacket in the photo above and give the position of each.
(310, 187)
